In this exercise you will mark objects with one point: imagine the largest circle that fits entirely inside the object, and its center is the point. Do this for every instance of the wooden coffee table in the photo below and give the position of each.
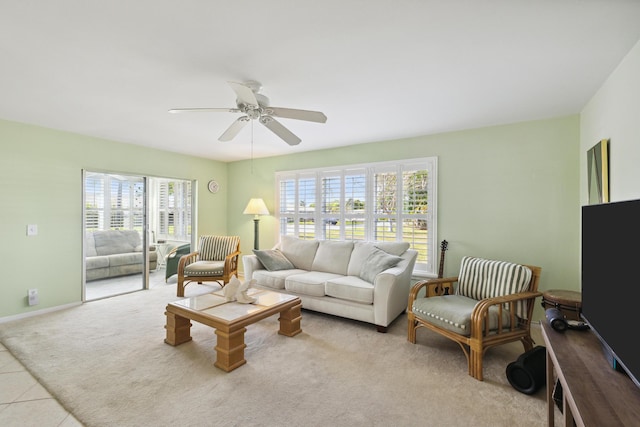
(229, 320)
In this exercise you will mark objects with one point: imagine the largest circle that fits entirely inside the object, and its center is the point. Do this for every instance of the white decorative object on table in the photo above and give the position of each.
(231, 289)
(235, 290)
(241, 293)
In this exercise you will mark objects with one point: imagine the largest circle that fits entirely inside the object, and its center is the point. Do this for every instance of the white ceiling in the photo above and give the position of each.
(379, 69)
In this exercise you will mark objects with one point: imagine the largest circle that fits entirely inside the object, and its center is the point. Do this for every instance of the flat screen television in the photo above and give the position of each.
(610, 280)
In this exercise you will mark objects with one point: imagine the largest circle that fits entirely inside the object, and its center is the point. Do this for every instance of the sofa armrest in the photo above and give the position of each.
(250, 263)
(391, 289)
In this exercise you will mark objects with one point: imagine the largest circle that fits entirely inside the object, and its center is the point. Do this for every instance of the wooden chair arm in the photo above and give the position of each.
(186, 260)
(433, 287)
(480, 328)
(231, 261)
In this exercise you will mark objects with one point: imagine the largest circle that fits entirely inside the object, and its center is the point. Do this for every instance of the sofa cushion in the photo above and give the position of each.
(90, 246)
(96, 262)
(109, 242)
(116, 260)
(300, 252)
(362, 250)
(332, 256)
(481, 278)
(274, 279)
(216, 248)
(204, 268)
(350, 288)
(377, 262)
(273, 259)
(453, 312)
(310, 283)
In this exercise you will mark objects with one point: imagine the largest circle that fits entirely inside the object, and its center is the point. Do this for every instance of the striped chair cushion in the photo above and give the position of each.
(216, 248)
(481, 278)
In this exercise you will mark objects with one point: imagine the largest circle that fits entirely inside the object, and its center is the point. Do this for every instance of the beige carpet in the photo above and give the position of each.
(107, 363)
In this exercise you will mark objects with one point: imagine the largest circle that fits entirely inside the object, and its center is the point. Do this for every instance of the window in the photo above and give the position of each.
(114, 202)
(389, 201)
(171, 208)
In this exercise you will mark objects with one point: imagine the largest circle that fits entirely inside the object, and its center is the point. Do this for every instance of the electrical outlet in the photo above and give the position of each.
(33, 297)
(32, 230)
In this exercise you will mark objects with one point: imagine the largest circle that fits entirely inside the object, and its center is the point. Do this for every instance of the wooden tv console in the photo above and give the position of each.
(594, 394)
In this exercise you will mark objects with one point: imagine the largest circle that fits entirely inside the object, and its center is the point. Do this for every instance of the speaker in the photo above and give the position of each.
(527, 373)
(559, 322)
(556, 319)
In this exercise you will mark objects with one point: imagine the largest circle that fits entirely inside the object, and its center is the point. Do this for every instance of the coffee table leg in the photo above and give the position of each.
(178, 329)
(290, 321)
(230, 349)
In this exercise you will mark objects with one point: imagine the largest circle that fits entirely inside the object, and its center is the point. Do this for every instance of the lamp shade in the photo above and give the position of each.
(256, 207)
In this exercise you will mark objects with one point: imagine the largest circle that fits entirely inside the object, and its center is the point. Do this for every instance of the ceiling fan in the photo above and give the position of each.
(255, 106)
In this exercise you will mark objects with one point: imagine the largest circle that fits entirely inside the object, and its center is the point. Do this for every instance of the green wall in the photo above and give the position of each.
(505, 192)
(511, 192)
(41, 183)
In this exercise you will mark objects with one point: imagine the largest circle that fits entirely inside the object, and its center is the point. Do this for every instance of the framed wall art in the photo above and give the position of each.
(598, 173)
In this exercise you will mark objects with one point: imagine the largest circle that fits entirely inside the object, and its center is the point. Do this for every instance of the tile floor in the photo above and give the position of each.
(24, 402)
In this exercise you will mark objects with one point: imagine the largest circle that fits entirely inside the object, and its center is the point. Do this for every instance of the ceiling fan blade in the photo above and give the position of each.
(274, 126)
(234, 129)
(244, 93)
(291, 113)
(204, 110)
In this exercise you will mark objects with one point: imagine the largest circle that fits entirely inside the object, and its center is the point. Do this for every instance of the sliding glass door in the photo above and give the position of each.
(116, 244)
(131, 226)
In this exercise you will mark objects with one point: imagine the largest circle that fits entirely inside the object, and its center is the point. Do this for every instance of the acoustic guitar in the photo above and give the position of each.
(443, 249)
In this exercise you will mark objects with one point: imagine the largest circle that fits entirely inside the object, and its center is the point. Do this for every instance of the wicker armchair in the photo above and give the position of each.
(173, 259)
(216, 260)
(491, 305)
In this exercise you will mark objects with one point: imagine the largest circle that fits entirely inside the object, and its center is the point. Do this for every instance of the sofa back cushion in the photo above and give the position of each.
(362, 251)
(332, 256)
(481, 278)
(90, 246)
(216, 248)
(300, 252)
(109, 242)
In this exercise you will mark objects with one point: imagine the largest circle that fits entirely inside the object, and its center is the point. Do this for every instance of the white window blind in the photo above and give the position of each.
(113, 202)
(172, 219)
(387, 201)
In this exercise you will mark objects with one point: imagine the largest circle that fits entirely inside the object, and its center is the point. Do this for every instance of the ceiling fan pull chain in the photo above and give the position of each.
(251, 147)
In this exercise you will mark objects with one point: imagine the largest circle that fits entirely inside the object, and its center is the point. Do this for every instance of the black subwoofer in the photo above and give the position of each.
(527, 373)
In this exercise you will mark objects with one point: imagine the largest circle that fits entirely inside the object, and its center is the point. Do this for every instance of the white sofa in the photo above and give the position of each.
(364, 281)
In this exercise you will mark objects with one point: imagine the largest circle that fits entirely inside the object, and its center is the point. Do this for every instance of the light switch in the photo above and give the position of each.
(32, 230)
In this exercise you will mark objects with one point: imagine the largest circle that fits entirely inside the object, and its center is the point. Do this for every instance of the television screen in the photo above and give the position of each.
(610, 278)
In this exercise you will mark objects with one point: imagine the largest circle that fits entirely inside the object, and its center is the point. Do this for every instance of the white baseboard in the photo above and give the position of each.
(38, 312)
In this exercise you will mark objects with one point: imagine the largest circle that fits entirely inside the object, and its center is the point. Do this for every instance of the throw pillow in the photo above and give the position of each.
(273, 259)
(376, 263)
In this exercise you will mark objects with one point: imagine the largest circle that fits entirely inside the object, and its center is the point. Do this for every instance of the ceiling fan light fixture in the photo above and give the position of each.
(255, 106)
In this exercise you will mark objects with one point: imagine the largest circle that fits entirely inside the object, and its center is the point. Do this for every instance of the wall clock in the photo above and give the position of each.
(213, 186)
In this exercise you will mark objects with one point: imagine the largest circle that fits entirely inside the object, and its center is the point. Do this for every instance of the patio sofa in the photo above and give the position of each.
(365, 281)
(112, 253)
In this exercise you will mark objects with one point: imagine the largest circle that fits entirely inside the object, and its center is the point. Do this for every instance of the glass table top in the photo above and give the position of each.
(214, 304)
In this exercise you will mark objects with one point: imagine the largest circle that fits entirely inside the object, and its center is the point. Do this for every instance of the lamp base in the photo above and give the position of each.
(256, 233)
